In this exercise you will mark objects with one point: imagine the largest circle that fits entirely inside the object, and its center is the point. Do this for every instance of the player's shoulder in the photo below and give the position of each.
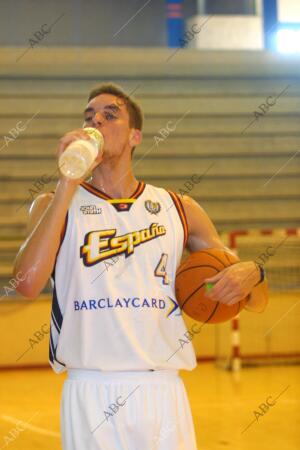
(187, 201)
(41, 201)
(150, 188)
(162, 190)
(37, 208)
(191, 208)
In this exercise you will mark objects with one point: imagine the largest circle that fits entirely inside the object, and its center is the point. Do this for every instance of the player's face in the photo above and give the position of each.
(109, 115)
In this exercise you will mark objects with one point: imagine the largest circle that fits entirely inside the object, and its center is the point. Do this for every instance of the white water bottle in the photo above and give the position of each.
(79, 156)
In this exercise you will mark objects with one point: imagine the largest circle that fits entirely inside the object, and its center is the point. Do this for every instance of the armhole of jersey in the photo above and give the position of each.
(62, 237)
(181, 213)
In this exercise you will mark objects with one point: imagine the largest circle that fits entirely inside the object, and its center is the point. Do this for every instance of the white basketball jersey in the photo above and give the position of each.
(114, 305)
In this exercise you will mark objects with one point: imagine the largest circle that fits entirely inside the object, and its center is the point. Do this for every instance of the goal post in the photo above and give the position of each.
(273, 336)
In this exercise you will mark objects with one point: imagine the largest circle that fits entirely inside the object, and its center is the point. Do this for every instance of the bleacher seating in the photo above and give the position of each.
(248, 178)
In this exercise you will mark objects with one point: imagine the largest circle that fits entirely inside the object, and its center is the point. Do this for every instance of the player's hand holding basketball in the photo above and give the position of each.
(64, 142)
(233, 283)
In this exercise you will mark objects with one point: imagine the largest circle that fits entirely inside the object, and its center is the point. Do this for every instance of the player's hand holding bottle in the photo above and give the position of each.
(79, 152)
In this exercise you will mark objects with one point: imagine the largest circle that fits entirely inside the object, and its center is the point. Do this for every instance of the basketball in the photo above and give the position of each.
(190, 286)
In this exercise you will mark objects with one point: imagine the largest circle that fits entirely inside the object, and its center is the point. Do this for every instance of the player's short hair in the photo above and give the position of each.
(133, 108)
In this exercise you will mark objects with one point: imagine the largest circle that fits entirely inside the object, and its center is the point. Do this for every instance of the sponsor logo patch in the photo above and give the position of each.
(103, 244)
(168, 304)
(90, 209)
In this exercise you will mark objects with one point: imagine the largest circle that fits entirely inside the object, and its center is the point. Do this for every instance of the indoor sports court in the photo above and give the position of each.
(218, 84)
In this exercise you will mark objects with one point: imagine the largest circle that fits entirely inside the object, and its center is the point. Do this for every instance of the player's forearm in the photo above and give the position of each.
(35, 260)
(258, 298)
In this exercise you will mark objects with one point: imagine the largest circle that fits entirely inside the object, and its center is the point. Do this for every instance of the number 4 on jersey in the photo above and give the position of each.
(160, 270)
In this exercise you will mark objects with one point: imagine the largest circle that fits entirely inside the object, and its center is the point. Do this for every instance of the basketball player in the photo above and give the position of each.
(111, 247)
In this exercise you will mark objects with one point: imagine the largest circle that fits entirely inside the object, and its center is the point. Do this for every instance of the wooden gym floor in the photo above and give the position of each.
(226, 408)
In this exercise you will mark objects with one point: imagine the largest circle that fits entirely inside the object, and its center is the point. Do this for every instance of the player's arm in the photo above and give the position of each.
(233, 283)
(35, 261)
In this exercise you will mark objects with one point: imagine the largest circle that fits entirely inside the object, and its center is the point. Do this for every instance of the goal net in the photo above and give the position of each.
(272, 336)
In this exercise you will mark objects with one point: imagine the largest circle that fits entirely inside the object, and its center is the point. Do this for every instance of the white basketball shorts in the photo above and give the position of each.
(139, 410)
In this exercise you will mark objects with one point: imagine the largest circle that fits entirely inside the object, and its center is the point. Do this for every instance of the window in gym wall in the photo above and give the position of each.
(230, 6)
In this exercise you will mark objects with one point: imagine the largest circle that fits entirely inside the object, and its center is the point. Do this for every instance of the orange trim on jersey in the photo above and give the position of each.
(94, 190)
(140, 188)
(181, 212)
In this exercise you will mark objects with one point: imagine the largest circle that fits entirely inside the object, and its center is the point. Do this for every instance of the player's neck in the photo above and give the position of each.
(115, 183)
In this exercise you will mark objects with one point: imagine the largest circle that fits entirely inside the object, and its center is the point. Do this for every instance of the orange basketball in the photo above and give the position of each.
(190, 286)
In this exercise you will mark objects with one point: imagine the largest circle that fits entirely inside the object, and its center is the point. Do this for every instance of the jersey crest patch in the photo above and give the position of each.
(152, 207)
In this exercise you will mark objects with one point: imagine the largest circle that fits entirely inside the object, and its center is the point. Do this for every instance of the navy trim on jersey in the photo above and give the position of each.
(62, 237)
(56, 312)
(57, 320)
(52, 352)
